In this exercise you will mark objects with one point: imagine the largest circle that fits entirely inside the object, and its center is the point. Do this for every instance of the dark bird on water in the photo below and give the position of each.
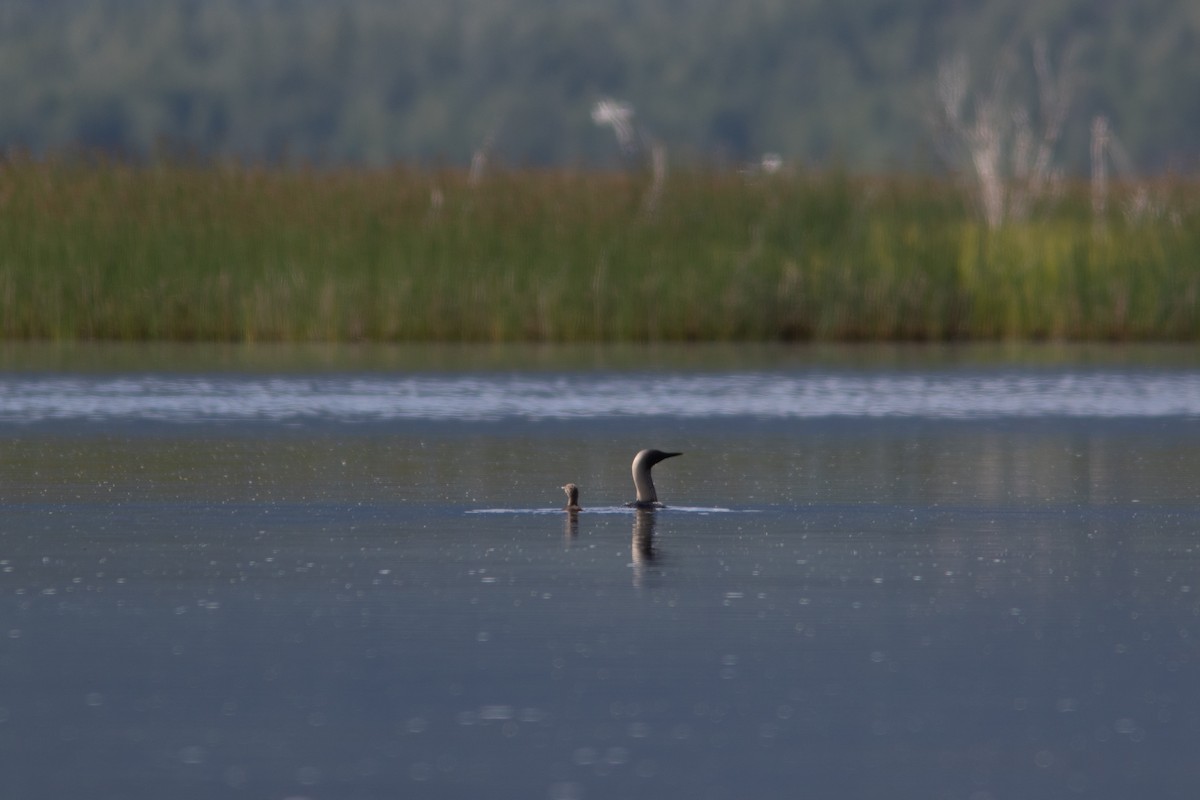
(642, 462)
(572, 497)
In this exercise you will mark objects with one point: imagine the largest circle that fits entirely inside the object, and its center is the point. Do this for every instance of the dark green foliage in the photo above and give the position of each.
(378, 81)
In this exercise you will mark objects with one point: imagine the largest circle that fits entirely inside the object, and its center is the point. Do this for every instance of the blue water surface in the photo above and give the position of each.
(963, 581)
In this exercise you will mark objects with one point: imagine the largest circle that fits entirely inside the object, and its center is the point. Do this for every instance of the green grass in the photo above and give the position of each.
(102, 250)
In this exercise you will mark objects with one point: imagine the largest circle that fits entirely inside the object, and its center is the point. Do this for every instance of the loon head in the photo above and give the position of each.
(642, 462)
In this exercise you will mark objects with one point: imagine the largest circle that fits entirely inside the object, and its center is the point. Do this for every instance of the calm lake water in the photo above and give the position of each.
(901, 573)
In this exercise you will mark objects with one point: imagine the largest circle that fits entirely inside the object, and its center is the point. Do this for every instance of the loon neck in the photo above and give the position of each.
(647, 497)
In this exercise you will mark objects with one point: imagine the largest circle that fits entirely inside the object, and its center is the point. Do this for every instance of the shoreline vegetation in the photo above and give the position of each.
(92, 249)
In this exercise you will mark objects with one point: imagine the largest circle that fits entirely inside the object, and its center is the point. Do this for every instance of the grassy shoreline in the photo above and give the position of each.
(110, 251)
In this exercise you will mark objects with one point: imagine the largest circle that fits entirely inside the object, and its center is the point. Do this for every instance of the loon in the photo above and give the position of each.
(642, 462)
(572, 498)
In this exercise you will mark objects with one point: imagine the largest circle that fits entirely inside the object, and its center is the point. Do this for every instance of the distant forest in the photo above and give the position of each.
(821, 82)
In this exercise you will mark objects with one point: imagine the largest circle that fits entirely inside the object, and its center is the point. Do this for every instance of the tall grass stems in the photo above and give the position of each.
(100, 250)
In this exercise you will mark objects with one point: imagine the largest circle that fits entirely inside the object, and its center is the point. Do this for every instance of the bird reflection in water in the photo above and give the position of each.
(642, 548)
(571, 523)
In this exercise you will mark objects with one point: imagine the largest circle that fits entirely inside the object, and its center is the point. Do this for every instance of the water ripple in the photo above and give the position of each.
(485, 397)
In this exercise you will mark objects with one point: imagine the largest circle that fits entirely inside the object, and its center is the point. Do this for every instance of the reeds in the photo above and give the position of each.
(100, 250)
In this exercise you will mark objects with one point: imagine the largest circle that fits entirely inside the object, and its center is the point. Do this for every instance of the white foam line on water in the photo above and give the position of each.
(614, 510)
(516, 511)
(811, 395)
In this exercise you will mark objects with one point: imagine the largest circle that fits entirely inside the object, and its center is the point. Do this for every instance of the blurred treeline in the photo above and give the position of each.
(379, 81)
